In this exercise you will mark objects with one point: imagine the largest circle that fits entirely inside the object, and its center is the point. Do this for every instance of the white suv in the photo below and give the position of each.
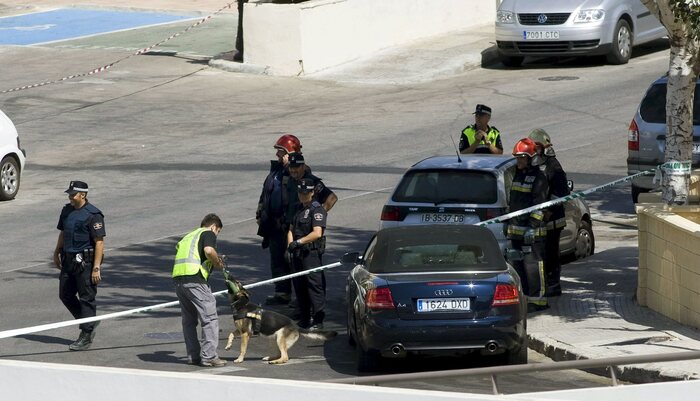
(12, 159)
(573, 28)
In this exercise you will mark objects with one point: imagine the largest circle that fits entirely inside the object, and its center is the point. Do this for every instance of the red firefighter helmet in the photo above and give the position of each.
(289, 143)
(525, 147)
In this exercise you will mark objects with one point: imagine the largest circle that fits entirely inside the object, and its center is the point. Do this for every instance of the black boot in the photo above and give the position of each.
(82, 343)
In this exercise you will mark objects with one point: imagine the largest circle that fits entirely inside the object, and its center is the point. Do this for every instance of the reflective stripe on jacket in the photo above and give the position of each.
(187, 259)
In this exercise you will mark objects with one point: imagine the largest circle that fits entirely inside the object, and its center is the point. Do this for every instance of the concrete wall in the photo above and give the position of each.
(669, 261)
(293, 39)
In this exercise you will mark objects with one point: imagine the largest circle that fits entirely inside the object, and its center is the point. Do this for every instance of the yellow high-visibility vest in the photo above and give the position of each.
(187, 260)
(491, 136)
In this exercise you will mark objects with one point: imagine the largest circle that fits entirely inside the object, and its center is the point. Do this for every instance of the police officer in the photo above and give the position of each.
(527, 232)
(274, 215)
(555, 217)
(78, 254)
(298, 169)
(481, 137)
(306, 245)
(195, 258)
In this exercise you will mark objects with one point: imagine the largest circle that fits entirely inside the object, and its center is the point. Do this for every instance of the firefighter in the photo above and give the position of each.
(527, 232)
(555, 217)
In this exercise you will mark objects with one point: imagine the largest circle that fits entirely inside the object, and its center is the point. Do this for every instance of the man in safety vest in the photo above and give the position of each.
(480, 137)
(196, 256)
(527, 232)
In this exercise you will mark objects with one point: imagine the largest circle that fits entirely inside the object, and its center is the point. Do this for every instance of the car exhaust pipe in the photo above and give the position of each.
(491, 346)
(397, 349)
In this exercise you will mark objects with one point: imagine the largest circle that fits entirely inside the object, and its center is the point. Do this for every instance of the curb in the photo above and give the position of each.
(638, 374)
(232, 66)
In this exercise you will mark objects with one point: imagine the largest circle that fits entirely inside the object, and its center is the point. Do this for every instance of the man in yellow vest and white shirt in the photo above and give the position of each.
(196, 256)
(481, 137)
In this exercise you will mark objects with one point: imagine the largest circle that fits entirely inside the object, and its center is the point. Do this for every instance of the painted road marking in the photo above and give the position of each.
(72, 23)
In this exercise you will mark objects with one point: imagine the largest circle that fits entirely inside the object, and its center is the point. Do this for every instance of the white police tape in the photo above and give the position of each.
(50, 326)
(110, 65)
(563, 199)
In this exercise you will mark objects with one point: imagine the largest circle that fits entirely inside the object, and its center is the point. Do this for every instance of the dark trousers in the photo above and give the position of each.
(239, 32)
(278, 265)
(552, 263)
(310, 288)
(531, 270)
(77, 292)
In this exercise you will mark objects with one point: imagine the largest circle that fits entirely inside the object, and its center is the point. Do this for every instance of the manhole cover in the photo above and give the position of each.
(559, 78)
(165, 336)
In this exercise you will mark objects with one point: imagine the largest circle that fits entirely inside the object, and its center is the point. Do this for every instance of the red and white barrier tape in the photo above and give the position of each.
(110, 65)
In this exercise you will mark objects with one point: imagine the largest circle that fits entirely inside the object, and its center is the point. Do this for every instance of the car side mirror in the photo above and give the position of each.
(570, 185)
(350, 258)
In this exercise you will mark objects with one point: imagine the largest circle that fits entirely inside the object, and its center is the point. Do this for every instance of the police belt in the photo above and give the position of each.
(318, 245)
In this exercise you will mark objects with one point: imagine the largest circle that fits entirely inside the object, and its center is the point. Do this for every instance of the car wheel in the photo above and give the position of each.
(351, 337)
(518, 356)
(585, 241)
(513, 61)
(621, 43)
(9, 178)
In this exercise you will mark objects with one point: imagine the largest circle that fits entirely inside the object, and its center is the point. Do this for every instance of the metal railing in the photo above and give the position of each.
(493, 372)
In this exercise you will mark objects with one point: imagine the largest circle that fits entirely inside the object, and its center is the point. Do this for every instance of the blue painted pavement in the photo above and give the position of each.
(72, 23)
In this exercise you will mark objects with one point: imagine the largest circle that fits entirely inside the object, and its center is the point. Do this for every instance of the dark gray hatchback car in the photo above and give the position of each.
(444, 190)
(646, 140)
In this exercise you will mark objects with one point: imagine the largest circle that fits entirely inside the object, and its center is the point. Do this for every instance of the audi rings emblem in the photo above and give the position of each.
(442, 293)
(542, 18)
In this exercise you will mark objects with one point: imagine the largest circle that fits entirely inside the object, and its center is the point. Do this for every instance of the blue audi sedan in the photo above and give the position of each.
(434, 289)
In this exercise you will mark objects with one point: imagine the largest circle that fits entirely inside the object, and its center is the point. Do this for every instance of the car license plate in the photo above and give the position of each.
(696, 148)
(442, 304)
(540, 35)
(442, 218)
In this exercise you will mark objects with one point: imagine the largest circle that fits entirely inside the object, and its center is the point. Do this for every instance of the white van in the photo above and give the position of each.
(12, 159)
(568, 28)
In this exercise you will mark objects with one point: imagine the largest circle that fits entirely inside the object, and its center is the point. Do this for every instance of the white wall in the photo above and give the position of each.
(324, 33)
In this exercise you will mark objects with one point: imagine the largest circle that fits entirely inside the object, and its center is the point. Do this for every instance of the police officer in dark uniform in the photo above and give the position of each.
(298, 169)
(306, 245)
(78, 255)
(555, 217)
(527, 232)
(481, 137)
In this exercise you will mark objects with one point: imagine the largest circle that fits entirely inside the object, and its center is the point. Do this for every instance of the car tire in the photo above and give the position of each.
(351, 337)
(585, 241)
(9, 178)
(512, 61)
(621, 44)
(517, 356)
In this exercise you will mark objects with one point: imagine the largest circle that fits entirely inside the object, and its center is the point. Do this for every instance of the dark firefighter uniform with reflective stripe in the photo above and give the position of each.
(310, 289)
(469, 135)
(527, 232)
(556, 178)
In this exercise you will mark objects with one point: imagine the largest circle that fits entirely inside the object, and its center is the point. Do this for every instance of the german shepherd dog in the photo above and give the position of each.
(250, 318)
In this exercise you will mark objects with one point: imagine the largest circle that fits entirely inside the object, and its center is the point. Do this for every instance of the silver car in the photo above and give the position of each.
(573, 28)
(646, 141)
(444, 190)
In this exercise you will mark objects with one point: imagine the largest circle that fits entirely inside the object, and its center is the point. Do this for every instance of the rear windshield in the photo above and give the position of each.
(653, 107)
(447, 186)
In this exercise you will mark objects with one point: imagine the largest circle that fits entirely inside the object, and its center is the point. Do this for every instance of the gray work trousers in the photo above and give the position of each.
(197, 303)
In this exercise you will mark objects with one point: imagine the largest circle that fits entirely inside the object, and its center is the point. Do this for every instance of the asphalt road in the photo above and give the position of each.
(164, 140)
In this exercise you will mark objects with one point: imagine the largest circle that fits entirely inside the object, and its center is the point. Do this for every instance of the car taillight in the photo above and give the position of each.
(379, 298)
(391, 213)
(633, 137)
(505, 294)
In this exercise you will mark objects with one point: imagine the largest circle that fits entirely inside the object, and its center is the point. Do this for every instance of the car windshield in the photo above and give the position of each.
(436, 250)
(447, 186)
(653, 107)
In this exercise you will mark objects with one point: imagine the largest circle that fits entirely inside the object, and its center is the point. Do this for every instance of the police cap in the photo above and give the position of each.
(76, 186)
(306, 185)
(482, 109)
(296, 159)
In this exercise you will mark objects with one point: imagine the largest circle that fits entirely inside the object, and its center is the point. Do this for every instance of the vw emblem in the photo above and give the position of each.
(443, 293)
(542, 18)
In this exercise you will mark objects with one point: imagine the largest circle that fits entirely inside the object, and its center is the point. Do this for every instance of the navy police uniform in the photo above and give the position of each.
(310, 288)
(80, 227)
